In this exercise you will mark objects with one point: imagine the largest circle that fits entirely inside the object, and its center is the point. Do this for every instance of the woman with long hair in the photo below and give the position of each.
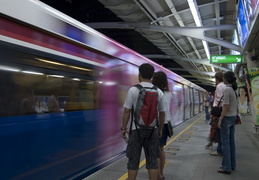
(160, 80)
(243, 101)
(227, 123)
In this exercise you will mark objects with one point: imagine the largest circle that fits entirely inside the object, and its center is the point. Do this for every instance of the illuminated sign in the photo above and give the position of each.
(242, 24)
(226, 59)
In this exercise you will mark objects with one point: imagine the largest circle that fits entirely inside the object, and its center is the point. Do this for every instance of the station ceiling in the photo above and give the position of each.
(165, 31)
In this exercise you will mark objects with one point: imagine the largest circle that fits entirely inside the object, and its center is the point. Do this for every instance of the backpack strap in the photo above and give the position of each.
(140, 87)
(220, 101)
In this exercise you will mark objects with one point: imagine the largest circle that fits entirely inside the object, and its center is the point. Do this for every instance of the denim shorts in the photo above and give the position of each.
(149, 141)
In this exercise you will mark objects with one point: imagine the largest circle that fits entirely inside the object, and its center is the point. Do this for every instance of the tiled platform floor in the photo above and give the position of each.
(188, 159)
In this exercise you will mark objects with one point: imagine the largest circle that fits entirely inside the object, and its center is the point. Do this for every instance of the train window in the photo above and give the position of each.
(31, 85)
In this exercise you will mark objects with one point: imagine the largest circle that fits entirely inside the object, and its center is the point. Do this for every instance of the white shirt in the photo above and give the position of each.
(242, 108)
(219, 93)
(132, 98)
(167, 98)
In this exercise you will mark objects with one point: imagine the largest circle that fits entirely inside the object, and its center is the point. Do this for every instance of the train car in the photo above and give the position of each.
(62, 90)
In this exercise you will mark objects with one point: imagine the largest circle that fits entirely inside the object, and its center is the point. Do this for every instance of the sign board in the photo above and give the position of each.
(226, 59)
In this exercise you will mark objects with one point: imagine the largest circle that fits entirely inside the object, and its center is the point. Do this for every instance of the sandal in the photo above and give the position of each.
(223, 171)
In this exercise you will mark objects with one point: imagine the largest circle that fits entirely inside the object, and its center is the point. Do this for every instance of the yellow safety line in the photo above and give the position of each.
(142, 163)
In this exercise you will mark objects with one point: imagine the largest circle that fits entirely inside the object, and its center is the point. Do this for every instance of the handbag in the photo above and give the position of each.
(214, 121)
(170, 129)
(216, 110)
(238, 120)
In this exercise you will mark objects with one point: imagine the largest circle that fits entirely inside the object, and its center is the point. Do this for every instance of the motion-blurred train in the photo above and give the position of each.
(62, 88)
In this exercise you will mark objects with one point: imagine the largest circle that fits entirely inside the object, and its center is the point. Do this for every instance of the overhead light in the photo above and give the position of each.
(198, 22)
(84, 69)
(50, 62)
(213, 69)
(206, 47)
(56, 76)
(6, 68)
(110, 83)
(32, 72)
(194, 10)
(76, 79)
(61, 64)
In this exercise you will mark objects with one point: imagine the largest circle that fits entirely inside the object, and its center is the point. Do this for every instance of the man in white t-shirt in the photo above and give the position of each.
(146, 138)
(218, 99)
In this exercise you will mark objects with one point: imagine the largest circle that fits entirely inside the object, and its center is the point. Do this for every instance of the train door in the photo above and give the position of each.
(191, 102)
(196, 101)
(177, 104)
(201, 100)
(187, 103)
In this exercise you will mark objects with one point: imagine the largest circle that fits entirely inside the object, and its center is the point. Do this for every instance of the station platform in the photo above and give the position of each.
(188, 159)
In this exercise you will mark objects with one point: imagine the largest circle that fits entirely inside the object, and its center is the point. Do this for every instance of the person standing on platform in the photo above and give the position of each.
(243, 101)
(227, 122)
(139, 137)
(220, 87)
(160, 80)
(207, 101)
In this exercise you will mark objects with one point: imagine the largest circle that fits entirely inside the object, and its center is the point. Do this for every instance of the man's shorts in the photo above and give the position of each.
(149, 141)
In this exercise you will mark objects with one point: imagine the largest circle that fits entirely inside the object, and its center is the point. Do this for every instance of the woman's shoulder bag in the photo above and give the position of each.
(216, 110)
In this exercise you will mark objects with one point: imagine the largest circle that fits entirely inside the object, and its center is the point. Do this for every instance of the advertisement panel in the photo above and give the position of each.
(247, 13)
(254, 80)
(242, 24)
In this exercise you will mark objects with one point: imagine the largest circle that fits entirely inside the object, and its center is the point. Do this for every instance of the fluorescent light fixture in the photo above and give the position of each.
(56, 76)
(31, 72)
(213, 69)
(76, 79)
(194, 10)
(83, 69)
(61, 64)
(6, 68)
(51, 62)
(110, 83)
(197, 20)
(206, 47)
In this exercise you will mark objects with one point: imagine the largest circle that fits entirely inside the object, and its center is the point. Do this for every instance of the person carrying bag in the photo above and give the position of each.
(216, 112)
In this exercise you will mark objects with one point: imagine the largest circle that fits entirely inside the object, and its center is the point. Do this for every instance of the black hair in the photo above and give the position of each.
(231, 79)
(219, 76)
(146, 70)
(245, 88)
(160, 80)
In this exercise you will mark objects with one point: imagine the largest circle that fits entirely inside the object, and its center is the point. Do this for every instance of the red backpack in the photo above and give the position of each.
(145, 113)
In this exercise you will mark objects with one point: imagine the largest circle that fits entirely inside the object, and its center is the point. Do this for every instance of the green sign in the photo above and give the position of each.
(226, 59)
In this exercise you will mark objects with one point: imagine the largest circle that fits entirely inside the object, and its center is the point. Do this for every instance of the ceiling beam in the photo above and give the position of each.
(199, 77)
(192, 70)
(194, 32)
(180, 22)
(179, 58)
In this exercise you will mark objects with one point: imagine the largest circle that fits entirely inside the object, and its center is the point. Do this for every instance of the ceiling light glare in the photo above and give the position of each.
(194, 11)
(58, 76)
(76, 79)
(6, 68)
(32, 72)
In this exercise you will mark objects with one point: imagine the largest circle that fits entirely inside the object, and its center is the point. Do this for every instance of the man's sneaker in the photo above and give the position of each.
(215, 153)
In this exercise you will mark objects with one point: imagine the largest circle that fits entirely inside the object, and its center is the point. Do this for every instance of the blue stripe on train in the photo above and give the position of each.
(47, 145)
(19, 124)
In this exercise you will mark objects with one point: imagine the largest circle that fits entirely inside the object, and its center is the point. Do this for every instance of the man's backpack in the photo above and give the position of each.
(145, 113)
